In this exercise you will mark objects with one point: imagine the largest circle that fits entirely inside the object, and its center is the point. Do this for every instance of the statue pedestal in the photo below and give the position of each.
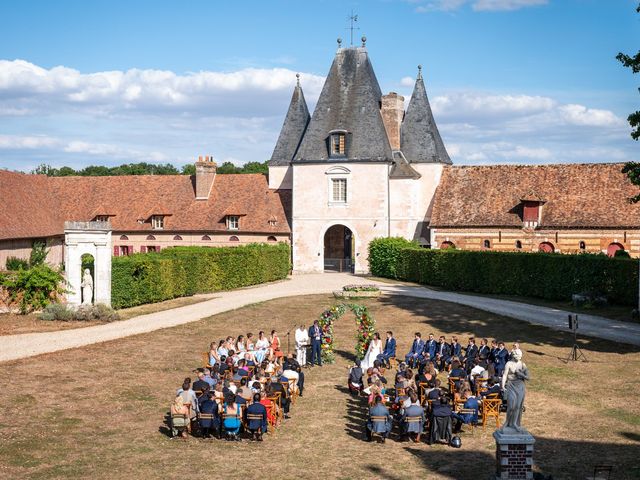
(514, 454)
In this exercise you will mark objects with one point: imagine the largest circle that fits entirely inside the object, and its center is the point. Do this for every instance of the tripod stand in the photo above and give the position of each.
(576, 353)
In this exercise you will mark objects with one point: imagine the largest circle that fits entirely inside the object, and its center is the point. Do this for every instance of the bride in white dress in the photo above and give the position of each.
(375, 349)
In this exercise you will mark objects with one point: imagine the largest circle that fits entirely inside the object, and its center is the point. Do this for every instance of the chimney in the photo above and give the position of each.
(205, 175)
(392, 111)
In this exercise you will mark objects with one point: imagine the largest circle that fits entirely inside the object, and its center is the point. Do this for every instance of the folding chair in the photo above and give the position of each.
(180, 428)
(422, 388)
(469, 411)
(415, 420)
(452, 385)
(378, 419)
(205, 360)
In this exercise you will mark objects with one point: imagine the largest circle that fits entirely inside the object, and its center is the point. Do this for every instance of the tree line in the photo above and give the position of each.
(144, 168)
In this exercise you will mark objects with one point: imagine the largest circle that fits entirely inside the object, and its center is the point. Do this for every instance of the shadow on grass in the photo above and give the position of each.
(452, 318)
(356, 414)
(348, 356)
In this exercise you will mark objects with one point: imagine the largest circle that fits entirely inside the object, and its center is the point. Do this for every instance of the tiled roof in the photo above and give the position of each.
(293, 128)
(575, 196)
(33, 205)
(349, 101)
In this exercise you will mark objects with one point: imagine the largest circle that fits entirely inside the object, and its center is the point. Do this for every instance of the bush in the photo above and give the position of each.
(60, 311)
(181, 271)
(15, 263)
(39, 254)
(384, 253)
(33, 289)
(541, 275)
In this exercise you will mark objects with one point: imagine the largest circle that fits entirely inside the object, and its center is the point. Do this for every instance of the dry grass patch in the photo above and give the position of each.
(98, 411)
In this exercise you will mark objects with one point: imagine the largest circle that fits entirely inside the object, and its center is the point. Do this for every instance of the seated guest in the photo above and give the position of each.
(413, 357)
(285, 401)
(208, 378)
(389, 350)
(231, 420)
(222, 349)
(494, 389)
(469, 412)
(413, 410)
(261, 347)
(209, 407)
(270, 407)
(242, 371)
(292, 370)
(200, 384)
(240, 345)
(382, 428)
(441, 421)
(355, 378)
(256, 426)
(213, 354)
(224, 366)
(456, 370)
(179, 417)
(435, 393)
(374, 394)
(189, 396)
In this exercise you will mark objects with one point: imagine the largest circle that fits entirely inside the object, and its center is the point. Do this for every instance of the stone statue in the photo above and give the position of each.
(515, 374)
(87, 288)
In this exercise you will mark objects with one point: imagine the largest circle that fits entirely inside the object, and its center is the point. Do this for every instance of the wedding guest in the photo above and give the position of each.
(261, 346)
(213, 354)
(189, 396)
(200, 384)
(209, 407)
(274, 348)
(413, 357)
(231, 421)
(413, 410)
(255, 426)
(381, 428)
(355, 378)
(179, 417)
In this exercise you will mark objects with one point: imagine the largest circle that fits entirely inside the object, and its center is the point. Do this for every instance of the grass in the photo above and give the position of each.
(98, 411)
(13, 324)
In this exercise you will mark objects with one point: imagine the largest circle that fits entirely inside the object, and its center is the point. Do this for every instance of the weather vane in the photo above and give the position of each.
(352, 20)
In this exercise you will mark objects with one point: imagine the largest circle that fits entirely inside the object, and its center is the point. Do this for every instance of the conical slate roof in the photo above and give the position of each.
(293, 128)
(420, 140)
(349, 101)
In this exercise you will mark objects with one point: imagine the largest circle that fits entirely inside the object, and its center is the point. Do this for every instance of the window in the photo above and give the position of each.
(125, 250)
(273, 221)
(233, 222)
(339, 190)
(272, 239)
(447, 244)
(518, 245)
(150, 237)
(157, 222)
(546, 247)
(233, 238)
(152, 248)
(124, 237)
(177, 237)
(337, 144)
(486, 244)
(206, 237)
(582, 245)
(102, 218)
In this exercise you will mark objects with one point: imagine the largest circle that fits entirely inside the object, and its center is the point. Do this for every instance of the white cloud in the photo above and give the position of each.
(27, 142)
(407, 81)
(581, 115)
(477, 5)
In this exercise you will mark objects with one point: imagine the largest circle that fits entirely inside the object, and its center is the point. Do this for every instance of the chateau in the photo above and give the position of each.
(363, 165)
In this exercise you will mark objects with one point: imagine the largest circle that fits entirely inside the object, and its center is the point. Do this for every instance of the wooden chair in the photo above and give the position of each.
(205, 360)
(401, 392)
(293, 389)
(185, 420)
(480, 385)
(469, 411)
(277, 400)
(452, 384)
(415, 420)
(378, 419)
(253, 416)
(458, 405)
(422, 388)
(491, 408)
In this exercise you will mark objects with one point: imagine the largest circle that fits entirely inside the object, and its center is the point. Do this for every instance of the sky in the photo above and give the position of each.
(106, 82)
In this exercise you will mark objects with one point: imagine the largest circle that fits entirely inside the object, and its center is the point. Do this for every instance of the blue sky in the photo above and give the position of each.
(510, 81)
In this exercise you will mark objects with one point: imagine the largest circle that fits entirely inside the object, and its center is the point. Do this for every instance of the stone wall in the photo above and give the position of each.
(21, 248)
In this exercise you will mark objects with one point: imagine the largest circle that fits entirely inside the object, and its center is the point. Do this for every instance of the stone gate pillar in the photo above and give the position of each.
(93, 238)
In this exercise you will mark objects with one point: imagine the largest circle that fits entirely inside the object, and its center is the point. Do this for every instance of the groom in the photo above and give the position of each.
(389, 350)
(413, 357)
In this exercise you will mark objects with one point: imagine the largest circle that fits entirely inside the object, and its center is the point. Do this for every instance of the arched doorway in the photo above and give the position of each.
(447, 244)
(338, 249)
(613, 248)
(546, 247)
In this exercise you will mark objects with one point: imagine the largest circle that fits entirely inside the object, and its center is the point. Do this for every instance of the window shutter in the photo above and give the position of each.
(116, 250)
(130, 249)
(143, 249)
(342, 144)
(157, 248)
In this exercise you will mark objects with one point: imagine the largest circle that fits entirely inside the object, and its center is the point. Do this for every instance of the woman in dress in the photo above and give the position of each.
(213, 354)
(262, 345)
(375, 349)
(241, 346)
(275, 345)
(222, 348)
(179, 417)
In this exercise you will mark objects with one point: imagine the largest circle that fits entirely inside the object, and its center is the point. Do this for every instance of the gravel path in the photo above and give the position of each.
(13, 347)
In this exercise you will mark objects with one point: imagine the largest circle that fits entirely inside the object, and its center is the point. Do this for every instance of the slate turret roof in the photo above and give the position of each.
(293, 128)
(349, 101)
(420, 139)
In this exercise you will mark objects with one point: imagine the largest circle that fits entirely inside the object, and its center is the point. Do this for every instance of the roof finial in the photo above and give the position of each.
(419, 72)
(364, 41)
(339, 42)
(298, 79)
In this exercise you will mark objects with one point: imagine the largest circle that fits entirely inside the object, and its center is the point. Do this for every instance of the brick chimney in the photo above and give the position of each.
(392, 111)
(205, 175)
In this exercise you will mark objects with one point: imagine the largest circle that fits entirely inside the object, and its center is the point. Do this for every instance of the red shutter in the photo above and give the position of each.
(116, 250)
(143, 249)
(157, 248)
(130, 249)
(531, 211)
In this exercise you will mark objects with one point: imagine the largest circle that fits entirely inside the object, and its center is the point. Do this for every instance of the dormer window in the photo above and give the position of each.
(157, 222)
(233, 222)
(531, 209)
(102, 218)
(338, 143)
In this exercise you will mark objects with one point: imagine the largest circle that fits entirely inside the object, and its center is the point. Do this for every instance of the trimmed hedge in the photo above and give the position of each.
(181, 271)
(384, 254)
(541, 275)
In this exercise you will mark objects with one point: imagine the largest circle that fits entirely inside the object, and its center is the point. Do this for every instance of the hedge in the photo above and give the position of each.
(384, 255)
(181, 271)
(540, 275)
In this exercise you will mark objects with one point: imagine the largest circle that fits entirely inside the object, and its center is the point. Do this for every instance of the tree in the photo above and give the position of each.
(632, 169)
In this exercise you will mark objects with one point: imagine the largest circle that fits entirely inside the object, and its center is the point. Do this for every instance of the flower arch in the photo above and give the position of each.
(365, 325)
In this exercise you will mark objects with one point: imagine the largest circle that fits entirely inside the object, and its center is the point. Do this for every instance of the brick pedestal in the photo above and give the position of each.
(514, 455)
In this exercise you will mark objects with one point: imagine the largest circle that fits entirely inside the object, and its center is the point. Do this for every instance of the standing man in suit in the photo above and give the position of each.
(471, 352)
(484, 351)
(456, 348)
(389, 349)
(413, 357)
(502, 355)
(429, 352)
(315, 334)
